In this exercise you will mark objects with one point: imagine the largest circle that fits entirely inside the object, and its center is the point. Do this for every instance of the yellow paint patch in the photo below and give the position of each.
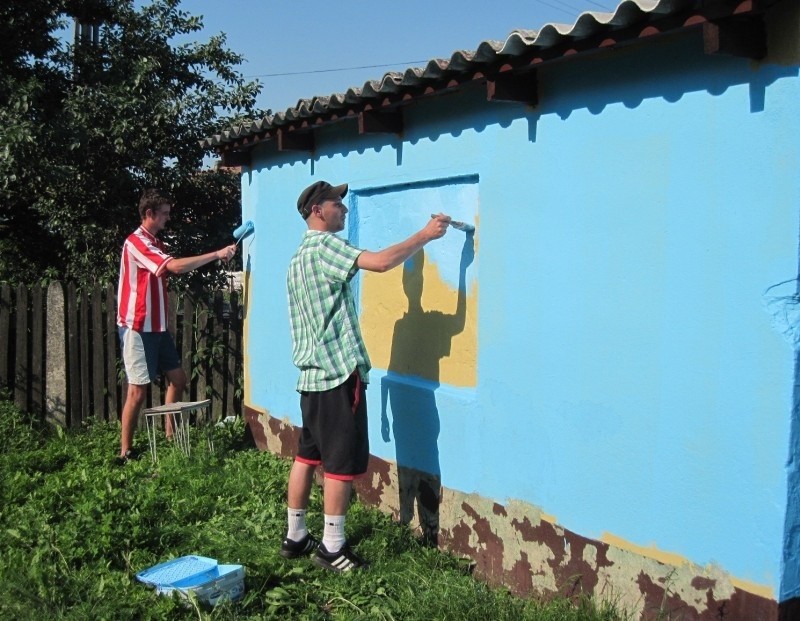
(415, 324)
(247, 398)
(752, 587)
(676, 560)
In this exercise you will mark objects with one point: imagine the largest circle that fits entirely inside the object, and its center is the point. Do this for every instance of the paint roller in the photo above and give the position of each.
(461, 226)
(245, 230)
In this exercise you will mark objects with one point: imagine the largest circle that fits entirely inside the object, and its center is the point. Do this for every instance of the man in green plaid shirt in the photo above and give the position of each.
(329, 350)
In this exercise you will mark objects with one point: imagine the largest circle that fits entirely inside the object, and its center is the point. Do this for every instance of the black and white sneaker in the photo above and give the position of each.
(294, 549)
(341, 561)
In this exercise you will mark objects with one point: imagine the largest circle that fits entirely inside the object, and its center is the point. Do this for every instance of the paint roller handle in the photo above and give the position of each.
(227, 253)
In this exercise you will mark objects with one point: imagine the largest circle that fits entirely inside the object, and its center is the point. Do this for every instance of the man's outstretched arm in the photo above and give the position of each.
(187, 264)
(388, 258)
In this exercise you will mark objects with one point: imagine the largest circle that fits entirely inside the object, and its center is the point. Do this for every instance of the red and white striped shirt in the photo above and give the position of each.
(142, 292)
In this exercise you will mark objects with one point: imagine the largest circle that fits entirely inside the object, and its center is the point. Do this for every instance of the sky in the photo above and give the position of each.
(315, 48)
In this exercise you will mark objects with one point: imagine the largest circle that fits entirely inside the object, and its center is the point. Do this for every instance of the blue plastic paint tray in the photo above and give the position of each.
(201, 576)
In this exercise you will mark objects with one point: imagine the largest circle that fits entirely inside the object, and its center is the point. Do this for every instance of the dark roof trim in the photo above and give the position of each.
(507, 68)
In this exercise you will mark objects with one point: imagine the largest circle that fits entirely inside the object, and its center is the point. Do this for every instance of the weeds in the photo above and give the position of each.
(75, 528)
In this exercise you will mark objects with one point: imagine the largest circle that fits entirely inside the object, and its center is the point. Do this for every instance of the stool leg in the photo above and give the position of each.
(180, 425)
(185, 423)
(151, 437)
(176, 430)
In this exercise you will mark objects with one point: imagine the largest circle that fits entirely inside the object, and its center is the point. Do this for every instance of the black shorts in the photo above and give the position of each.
(334, 430)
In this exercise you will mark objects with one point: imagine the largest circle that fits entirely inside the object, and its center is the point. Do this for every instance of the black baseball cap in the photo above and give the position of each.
(317, 193)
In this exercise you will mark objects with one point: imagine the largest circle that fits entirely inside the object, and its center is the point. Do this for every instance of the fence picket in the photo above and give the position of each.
(22, 365)
(56, 375)
(6, 375)
(218, 333)
(86, 344)
(187, 345)
(97, 354)
(74, 357)
(112, 354)
(234, 354)
(37, 373)
(59, 352)
(202, 343)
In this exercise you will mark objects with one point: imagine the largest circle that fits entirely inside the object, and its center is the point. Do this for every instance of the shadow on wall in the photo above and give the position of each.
(408, 391)
(782, 302)
(789, 596)
(668, 70)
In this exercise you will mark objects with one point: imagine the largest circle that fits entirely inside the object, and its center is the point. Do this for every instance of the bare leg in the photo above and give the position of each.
(176, 385)
(337, 496)
(336, 502)
(300, 479)
(130, 414)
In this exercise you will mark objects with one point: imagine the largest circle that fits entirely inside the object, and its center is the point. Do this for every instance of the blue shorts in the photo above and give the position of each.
(147, 353)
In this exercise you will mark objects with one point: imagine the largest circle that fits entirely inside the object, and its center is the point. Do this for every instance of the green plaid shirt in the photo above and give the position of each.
(327, 345)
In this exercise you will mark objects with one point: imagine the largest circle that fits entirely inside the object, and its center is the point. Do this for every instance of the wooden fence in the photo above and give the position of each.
(60, 352)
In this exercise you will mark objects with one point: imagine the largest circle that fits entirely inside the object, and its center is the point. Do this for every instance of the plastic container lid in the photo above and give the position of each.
(166, 574)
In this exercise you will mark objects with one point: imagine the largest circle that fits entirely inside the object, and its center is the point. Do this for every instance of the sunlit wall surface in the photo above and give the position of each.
(604, 346)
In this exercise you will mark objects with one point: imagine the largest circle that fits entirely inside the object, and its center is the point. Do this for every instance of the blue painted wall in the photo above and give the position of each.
(630, 379)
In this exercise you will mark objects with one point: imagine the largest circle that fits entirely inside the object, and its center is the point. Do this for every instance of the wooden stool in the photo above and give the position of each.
(178, 413)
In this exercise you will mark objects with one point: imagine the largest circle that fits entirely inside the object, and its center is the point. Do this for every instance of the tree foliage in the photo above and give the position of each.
(86, 123)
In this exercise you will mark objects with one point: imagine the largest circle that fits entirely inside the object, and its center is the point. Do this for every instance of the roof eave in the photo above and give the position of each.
(507, 69)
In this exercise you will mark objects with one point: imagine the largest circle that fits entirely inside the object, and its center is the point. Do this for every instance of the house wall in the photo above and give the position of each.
(600, 379)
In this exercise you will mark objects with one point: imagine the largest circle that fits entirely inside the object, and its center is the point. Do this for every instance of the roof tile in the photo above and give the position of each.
(519, 43)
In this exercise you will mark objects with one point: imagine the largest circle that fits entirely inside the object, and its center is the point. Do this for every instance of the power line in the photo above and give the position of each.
(597, 4)
(561, 8)
(557, 8)
(573, 10)
(287, 73)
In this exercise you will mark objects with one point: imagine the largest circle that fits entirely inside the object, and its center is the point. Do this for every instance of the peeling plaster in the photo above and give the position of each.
(514, 544)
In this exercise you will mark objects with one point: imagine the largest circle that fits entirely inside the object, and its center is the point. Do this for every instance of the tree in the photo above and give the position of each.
(85, 126)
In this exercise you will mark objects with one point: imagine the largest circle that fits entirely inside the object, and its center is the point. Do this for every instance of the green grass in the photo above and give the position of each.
(75, 529)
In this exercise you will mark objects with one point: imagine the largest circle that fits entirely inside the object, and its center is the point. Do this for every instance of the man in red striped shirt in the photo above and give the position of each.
(147, 346)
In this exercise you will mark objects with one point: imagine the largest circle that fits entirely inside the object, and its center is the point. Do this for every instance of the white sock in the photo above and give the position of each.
(297, 524)
(333, 537)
